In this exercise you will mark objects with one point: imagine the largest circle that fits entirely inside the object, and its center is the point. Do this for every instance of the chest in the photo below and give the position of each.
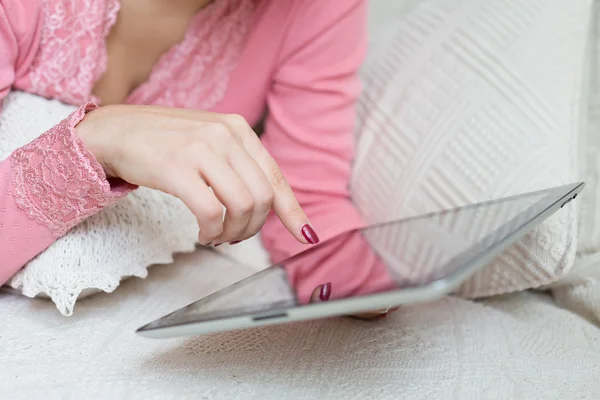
(140, 36)
(85, 55)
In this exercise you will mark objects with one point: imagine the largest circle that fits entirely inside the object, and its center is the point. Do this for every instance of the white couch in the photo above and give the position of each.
(519, 346)
(516, 347)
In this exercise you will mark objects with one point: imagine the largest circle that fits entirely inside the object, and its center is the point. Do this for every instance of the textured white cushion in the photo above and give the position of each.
(589, 157)
(580, 291)
(468, 101)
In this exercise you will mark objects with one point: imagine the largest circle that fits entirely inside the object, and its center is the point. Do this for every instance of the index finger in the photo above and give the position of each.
(285, 205)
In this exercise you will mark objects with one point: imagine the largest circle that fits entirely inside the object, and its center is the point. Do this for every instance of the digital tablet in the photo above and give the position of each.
(423, 258)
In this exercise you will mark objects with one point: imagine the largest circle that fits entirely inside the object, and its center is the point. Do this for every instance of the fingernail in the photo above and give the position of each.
(208, 244)
(218, 244)
(234, 242)
(309, 234)
(325, 292)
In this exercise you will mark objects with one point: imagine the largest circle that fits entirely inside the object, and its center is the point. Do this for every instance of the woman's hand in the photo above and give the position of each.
(207, 160)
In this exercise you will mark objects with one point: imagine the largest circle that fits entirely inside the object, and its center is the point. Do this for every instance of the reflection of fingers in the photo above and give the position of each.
(321, 293)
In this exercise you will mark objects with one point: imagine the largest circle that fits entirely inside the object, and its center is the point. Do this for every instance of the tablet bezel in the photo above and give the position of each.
(554, 199)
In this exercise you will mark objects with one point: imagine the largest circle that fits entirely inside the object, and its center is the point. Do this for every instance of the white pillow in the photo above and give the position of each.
(467, 101)
(580, 290)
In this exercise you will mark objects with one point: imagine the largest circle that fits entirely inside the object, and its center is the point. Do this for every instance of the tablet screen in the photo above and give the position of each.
(411, 252)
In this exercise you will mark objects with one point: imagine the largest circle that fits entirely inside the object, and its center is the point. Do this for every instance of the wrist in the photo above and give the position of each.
(96, 142)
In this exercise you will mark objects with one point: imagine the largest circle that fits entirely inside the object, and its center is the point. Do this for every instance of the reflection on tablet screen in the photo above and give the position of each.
(414, 252)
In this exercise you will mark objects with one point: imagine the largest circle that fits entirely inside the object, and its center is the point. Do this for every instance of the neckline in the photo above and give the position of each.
(113, 9)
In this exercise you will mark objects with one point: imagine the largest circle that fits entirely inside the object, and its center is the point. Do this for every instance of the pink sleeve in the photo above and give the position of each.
(309, 131)
(52, 183)
(47, 187)
(20, 30)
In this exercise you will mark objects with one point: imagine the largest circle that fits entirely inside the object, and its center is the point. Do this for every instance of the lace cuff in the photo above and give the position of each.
(58, 182)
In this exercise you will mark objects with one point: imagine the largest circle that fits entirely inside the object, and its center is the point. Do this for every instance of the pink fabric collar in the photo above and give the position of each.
(192, 74)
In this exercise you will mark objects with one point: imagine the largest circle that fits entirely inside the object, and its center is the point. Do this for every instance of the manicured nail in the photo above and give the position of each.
(234, 242)
(325, 292)
(218, 244)
(309, 234)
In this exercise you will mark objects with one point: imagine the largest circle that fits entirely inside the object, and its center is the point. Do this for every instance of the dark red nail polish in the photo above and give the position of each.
(309, 234)
(218, 244)
(235, 242)
(325, 292)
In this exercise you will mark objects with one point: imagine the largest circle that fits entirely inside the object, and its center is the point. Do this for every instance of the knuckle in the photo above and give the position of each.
(277, 178)
(265, 198)
(222, 131)
(237, 121)
(213, 215)
(210, 233)
(244, 205)
(209, 230)
(206, 238)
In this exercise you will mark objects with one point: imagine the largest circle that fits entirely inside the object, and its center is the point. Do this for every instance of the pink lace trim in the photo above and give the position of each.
(195, 73)
(72, 52)
(57, 181)
(192, 74)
